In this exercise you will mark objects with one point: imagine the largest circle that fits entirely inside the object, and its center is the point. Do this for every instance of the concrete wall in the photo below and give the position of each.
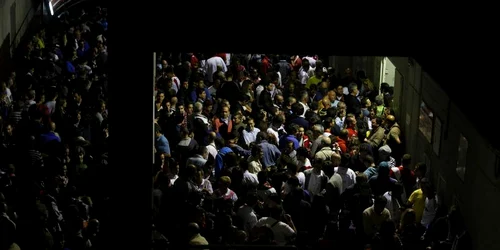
(24, 12)
(478, 194)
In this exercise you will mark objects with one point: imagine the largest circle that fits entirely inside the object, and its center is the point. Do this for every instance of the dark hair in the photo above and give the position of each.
(380, 200)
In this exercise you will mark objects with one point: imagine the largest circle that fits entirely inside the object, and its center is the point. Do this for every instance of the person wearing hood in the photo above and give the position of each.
(384, 154)
(382, 182)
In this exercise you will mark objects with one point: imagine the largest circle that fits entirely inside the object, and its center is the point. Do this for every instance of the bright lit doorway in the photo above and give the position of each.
(387, 72)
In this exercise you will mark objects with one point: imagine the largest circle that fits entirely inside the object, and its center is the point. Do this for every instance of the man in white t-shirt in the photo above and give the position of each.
(431, 204)
(283, 232)
(247, 214)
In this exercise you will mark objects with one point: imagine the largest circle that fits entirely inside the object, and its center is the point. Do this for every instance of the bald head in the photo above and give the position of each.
(326, 141)
(193, 228)
(390, 118)
(212, 136)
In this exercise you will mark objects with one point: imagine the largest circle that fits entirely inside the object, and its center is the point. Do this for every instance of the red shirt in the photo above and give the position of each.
(352, 132)
(194, 61)
(342, 144)
(266, 65)
(296, 64)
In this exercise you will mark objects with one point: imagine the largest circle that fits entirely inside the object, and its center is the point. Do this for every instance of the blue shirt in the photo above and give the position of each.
(286, 138)
(219, 161)
(162, 145)
(48, 137)
(194, 96)
(69, 67)
(271, 153)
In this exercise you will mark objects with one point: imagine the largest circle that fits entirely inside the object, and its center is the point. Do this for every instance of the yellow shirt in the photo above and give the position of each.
(40, 43)
(417, 198)
(372, 221)
(313, 80)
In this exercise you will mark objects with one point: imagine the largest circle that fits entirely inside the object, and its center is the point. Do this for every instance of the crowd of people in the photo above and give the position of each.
(283, 150)
(53, 134)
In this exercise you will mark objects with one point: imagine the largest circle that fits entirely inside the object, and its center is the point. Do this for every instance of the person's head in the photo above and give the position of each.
(208, 106)
(81, 153)
(197, 108)
(31, 94)
(406, 161)
(361, 178)
(250, 124)
(302, 154)
(190, 109)
(276, 212)
(379, 204)
(384, 153)
(9, 129)
(353, 89)
(251, 199)
(420, 170)
(77, 97)
(350, 122)
(203, 151)
(200, 174)
(376, 123)
(390, 120)
(201, 94)
(257, 152)
(318, 165)
(369, 161)
(427, 188)
(225, 112)
(237, 118)
(193, 229)
(326, 141)
(383, 169)
(409, 217)
(180, 108)
(224, 183)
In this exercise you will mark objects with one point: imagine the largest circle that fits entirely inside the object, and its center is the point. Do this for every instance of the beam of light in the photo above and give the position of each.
(51, 9)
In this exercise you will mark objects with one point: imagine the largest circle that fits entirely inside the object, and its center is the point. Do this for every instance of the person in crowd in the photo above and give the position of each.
(251, 149)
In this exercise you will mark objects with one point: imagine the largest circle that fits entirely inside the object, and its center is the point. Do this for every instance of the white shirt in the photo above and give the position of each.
(51, 106)
(248, 217)
(275, 133)
(393, 206)
(431, 206)
(306, 108)
(314, 186)
(281, 230)
(348, 177)
(306, 163)
(175, 83)
(279, 79)
(211, 67)
(304, 75)
(264, 194)
(250, 179)
(340, 122)
(8, 95)
(311, 60)
(212, 90)
(212, 150)
(228, 59)
(251, 136)
(254, 166)
(302, 180)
